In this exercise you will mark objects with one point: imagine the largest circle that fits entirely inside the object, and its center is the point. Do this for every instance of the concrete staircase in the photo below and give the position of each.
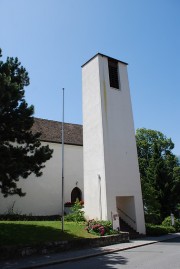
(125, 227)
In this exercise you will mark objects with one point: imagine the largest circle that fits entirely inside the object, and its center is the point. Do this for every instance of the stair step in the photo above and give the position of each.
(125, 227)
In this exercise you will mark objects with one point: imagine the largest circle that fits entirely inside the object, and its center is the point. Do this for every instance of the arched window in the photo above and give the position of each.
(76, 194)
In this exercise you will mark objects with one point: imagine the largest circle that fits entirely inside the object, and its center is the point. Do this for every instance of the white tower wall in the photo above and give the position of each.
(111, 174)
(93, 147)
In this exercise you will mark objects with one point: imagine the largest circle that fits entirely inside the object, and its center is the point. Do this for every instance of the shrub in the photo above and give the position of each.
(100, 228)
(156, 230)
(167, 223)
(77, 214)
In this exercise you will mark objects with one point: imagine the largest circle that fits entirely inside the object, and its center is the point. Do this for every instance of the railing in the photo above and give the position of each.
(126, 215)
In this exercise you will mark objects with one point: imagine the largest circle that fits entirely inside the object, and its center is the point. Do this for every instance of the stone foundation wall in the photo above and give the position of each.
(10, 252)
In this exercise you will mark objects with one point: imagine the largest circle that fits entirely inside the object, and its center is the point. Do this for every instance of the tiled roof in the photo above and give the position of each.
(51, 131)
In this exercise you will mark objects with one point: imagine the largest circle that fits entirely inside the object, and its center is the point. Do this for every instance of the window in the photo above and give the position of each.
(113, 74)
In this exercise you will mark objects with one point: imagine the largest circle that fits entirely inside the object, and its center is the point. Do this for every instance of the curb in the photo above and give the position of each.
(61, 261)
(103, 252)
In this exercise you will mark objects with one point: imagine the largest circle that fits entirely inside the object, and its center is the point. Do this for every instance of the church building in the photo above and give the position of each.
(100, 157)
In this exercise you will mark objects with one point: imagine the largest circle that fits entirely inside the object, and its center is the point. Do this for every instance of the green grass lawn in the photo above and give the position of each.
(37, 232)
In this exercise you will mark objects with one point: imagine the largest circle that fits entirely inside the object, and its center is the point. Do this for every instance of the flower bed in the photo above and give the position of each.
(100, 228)
(70, 204)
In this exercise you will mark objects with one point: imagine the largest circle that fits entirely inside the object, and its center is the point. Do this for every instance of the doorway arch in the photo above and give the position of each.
(76, 194)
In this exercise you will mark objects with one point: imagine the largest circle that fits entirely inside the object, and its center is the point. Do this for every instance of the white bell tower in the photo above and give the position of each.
(111, 173)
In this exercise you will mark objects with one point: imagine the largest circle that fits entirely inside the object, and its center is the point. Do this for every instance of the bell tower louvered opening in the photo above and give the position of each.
(113, 74)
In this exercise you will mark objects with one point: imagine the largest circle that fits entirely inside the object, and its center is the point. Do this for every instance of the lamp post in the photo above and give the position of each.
(62, 141)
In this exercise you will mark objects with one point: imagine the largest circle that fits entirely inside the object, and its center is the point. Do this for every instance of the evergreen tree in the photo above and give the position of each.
(159, 171)
(21, 152)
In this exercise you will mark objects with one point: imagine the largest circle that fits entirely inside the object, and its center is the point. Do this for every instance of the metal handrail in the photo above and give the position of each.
(126, 215)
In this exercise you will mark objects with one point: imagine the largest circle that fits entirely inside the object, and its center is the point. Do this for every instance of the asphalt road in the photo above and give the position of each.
(163, 255)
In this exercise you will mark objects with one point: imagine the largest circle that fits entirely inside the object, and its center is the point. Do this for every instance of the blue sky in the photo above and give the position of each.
(53, 38)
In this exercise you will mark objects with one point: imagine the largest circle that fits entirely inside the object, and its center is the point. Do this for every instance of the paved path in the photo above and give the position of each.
(63, 257)
(162, 255)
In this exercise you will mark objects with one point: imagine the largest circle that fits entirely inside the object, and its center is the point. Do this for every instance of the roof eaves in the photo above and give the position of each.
(103, 55)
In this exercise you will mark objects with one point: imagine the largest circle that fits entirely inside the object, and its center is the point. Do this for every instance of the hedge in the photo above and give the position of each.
(156, 230)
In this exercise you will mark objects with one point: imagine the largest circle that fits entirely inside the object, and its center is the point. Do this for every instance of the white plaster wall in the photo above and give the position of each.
(93, 148)
(44, 193)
